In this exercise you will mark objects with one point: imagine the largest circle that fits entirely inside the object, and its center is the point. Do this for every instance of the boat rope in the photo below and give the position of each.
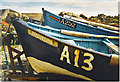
(6, 56)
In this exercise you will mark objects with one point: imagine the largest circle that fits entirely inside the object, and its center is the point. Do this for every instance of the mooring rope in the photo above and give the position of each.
(6, 56)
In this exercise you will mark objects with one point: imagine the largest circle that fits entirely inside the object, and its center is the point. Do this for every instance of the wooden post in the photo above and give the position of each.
(10, 53)
(10, 49)
(21, 65)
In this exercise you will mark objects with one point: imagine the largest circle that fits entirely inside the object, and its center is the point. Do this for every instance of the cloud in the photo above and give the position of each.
(24, 9)
(108, 8)
(55, 0)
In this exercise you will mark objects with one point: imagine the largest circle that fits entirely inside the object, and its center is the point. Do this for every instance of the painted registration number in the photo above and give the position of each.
(65, 54)
(68, 23)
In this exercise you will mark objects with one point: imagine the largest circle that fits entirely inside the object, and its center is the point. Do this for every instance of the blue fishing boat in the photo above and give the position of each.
(81, 20)
(52, 54)
(59, 22)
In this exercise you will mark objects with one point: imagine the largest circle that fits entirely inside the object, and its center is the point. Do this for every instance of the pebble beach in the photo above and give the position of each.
(3, 66)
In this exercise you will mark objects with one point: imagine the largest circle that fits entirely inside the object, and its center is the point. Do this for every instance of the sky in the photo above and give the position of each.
(88, 7)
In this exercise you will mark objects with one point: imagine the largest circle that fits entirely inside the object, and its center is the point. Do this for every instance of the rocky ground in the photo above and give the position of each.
(3, 66)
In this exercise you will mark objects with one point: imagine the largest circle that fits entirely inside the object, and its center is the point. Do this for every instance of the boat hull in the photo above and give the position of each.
(75, 61)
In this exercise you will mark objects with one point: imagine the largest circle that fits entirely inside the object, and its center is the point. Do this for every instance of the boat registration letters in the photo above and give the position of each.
(68, 23)
(65, 54)
(43, 38)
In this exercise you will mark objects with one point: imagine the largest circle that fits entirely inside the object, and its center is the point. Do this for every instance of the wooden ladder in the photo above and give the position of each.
(14, 74)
